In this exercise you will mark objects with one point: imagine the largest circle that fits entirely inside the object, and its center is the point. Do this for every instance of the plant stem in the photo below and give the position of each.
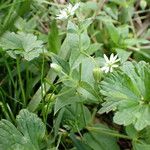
(43, 89)
(9, 72)
(109, 133)
(21, 83)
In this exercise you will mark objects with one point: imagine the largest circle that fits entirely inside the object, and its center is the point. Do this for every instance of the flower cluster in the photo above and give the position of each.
(68, 11)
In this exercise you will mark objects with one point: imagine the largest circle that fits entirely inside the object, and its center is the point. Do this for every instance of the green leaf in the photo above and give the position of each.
(79, 144)
(110, 12)
(123, 55)
(97, 139)
(128, 93)
(23, 44)
(85, 40)
(88, 92)
(93, 48)
(125, 14)
(131, 131)
(24, 25)
(91, 5)
(134, 41)
(61, 62)
(123, 31)
(76, 58)
(113, 32)
(10, 137)
(67, 96)
(28, 134)
(137, 146)
(69, 42)
(72, 28)
(31, 127)
(88, 65)
(76, 116)
(53, 38)
(85, 24)
(141, 140)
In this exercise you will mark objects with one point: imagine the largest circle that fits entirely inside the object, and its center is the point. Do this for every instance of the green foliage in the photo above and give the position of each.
(99, 139)
(86, 76)
(129, 96)
(29, 133)
(22, 44)
(53, 39)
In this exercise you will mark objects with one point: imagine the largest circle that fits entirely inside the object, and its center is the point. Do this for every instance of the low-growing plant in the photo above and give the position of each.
(74, 75)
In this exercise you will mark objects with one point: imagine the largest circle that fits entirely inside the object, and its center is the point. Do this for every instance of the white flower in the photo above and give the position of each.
(63, 15)
(67, 12)
(110, 63)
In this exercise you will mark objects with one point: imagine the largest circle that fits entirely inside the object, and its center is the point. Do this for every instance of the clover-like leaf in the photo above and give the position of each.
(127, 92)
(28, 134)
(24, 44)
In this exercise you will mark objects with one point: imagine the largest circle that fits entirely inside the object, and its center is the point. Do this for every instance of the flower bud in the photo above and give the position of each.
(56, 67)
(143, 4)
(50, 97)
(97, 74)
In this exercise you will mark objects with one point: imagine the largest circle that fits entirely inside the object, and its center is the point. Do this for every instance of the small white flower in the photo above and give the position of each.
(110, 63)
(68, 11)
(63, 15)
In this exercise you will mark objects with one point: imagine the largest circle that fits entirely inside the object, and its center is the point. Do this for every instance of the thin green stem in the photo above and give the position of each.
(43, 89)
(109, 132)
(83, 112)
(21, 82)
(9, 72)
(59, 140)
(142, 11)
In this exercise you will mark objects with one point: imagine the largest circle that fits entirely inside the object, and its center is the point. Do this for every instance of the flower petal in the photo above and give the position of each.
(117, 60)
(75, 7)
(112, 57)
(111, 69)
(106, 58)
(107, 70)
(115, 57)
(115, 65)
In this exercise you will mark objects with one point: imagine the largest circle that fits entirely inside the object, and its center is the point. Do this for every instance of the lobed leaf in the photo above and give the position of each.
(127, 92)
(28, 135)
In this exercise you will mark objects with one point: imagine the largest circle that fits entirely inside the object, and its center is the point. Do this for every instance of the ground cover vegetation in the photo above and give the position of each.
(74, 75)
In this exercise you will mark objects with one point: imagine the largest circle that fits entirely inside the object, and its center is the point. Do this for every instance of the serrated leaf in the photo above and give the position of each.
(128, 93)
(31, 127)
(22, 44)
(28, 135)
(9, 136)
